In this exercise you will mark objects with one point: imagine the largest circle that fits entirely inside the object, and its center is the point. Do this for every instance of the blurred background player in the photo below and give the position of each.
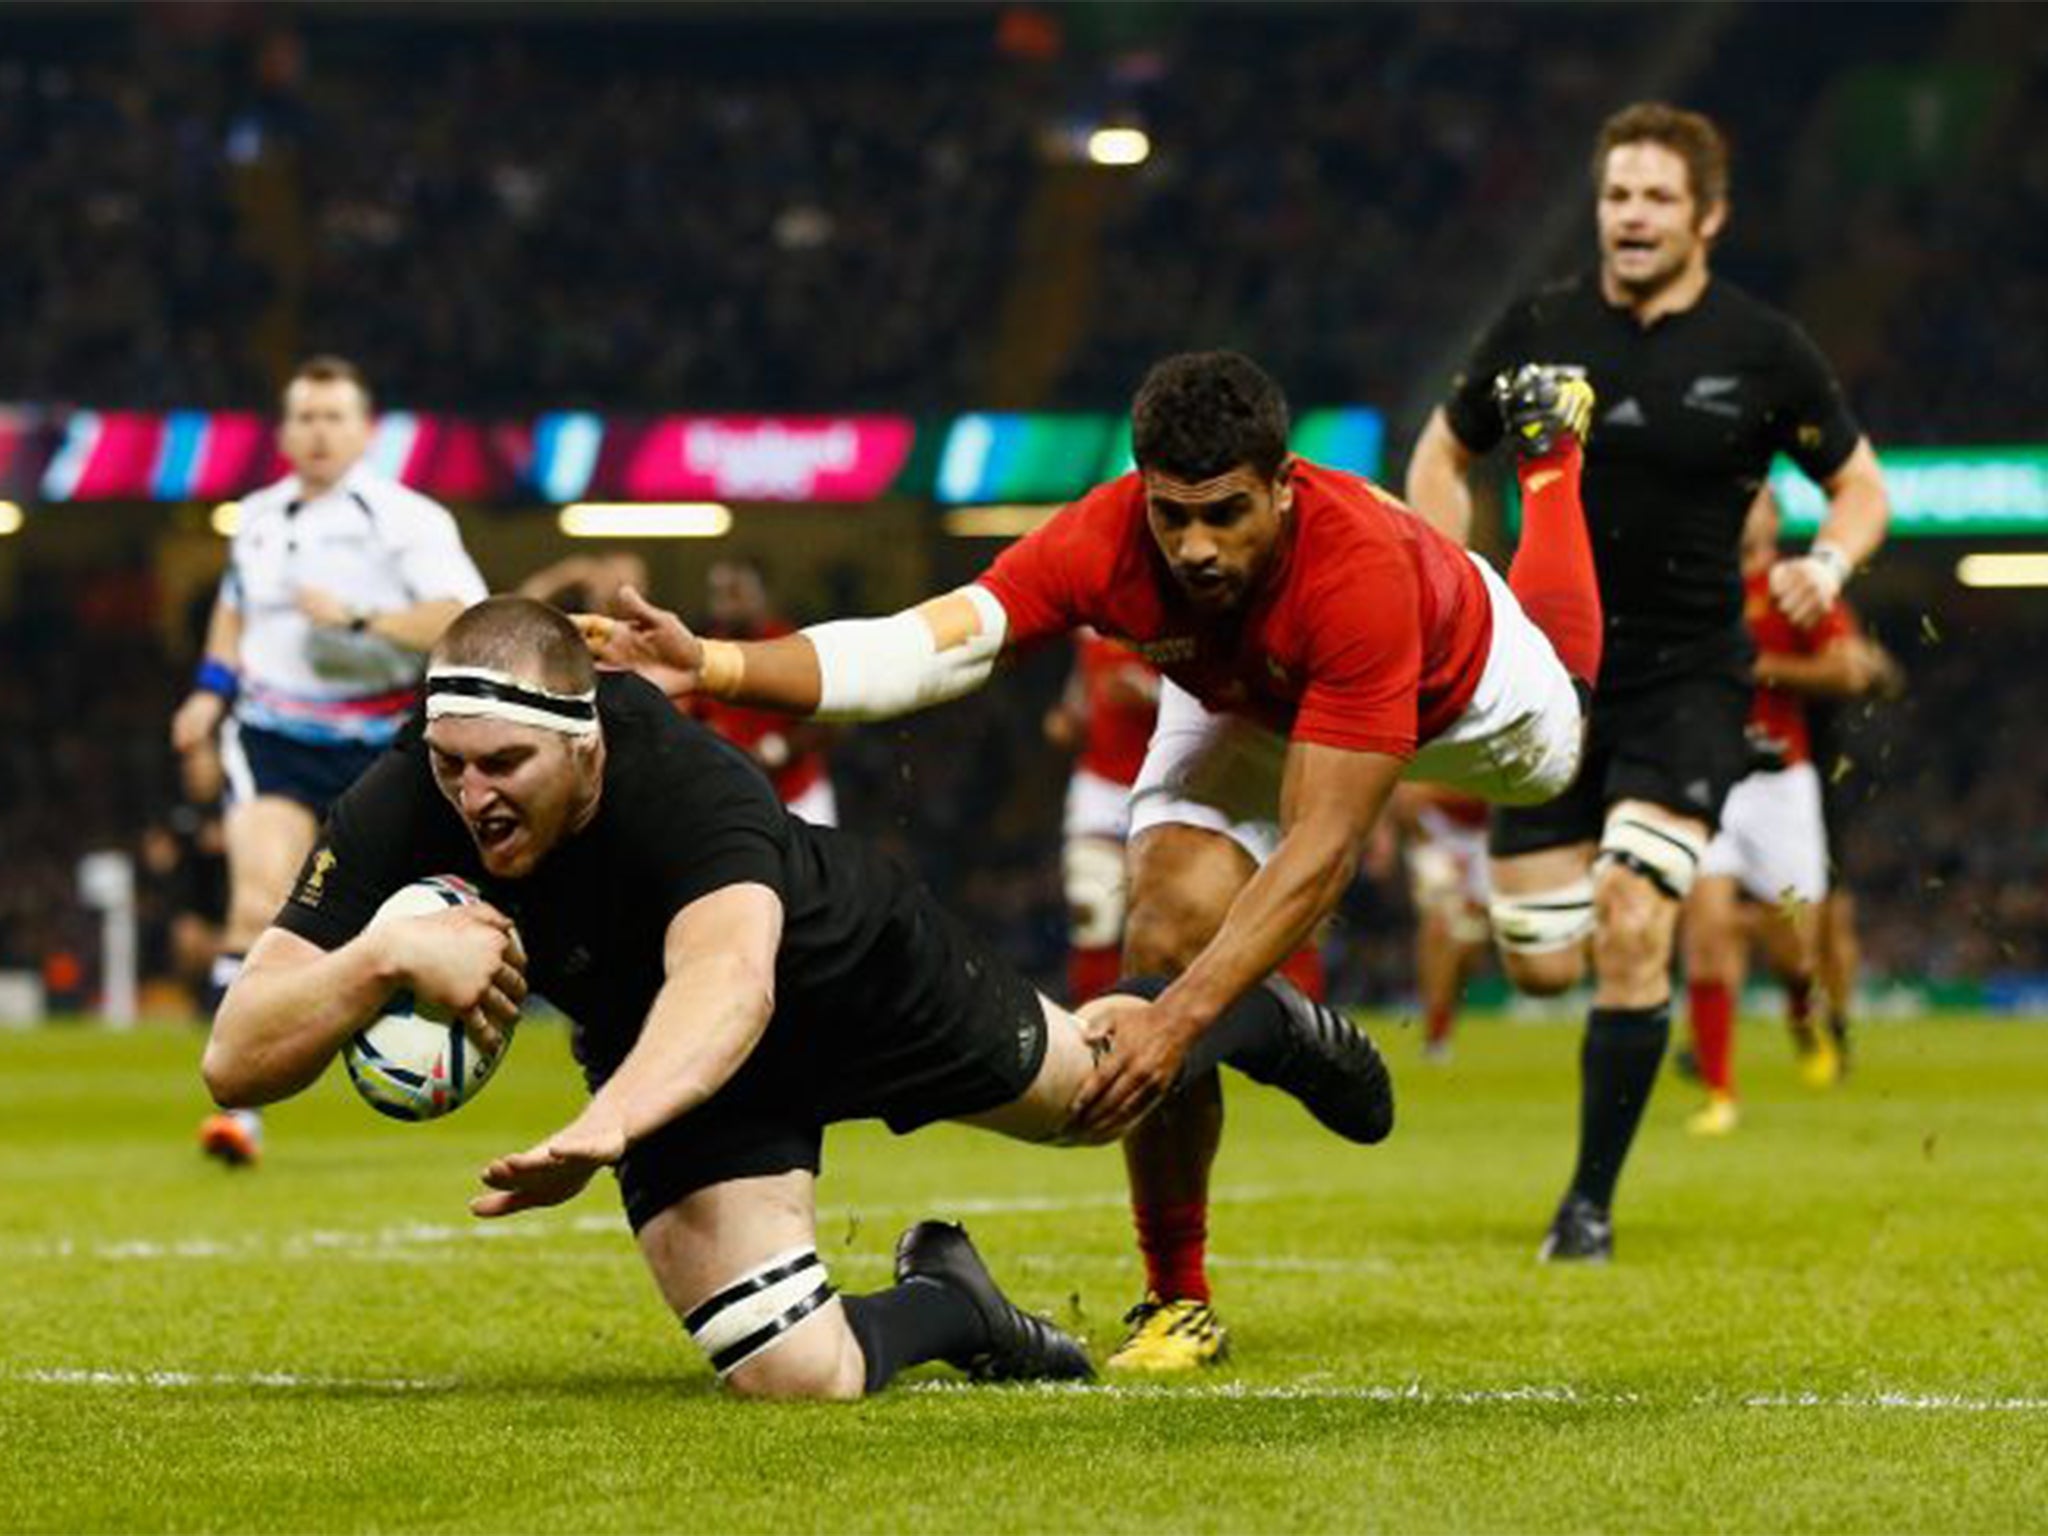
(1847, 782)
(586, 583)
(1443, 845)
(1105, 718)
(1765, 874)
(338, 582)
(790, 751)
(1700, 385)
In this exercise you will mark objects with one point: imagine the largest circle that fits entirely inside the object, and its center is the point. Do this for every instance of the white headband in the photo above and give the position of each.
(480, 691)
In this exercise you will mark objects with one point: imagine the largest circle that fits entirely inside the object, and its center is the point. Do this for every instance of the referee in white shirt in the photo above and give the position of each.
(338, 583)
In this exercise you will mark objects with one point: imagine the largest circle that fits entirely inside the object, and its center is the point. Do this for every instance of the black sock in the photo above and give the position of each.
(916, 1320)
(1617, 1070)
(219, 977)
(1250, 1035)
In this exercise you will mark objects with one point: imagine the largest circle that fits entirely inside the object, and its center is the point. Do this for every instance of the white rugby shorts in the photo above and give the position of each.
(819, 805)
(1773, 841)
(1447, 857)
(1517, 743)
(1097, 807)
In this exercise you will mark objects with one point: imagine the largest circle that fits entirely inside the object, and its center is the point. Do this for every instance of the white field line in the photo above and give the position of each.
(1464, 1397)
(279, 1380)
(1410, 1394)
(398, 1237)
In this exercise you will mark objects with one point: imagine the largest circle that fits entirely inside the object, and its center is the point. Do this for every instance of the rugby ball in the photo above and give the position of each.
(413, 1062)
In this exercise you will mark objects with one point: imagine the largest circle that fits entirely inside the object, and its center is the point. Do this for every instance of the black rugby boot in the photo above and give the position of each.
(1020, 1346)
(1327, 1063)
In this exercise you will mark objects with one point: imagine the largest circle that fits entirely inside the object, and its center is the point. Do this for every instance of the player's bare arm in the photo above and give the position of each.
(294, 1003)
(1330, 801)
(207, 705)
(849, 669)
(1839, 671)
(1858, 514)
(1439, 485)
(713, 1007)
(416, 626)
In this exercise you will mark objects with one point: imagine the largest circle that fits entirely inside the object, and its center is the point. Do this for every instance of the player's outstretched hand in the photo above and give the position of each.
(639, 637)
(555, 1171)
(1138, 1055)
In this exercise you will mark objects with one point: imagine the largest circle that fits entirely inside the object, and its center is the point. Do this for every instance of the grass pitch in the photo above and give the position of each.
(1832, 1321)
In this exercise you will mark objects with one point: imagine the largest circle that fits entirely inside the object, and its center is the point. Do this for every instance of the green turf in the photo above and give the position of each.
(1832, 1321)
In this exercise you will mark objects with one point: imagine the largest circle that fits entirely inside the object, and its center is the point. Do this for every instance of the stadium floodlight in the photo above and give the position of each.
(2011, 569)
(10, 518)
(226, 518)
(1119, 146)
(646, 520)
(999, 522)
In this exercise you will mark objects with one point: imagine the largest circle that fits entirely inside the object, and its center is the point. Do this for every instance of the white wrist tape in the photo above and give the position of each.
(874, 669)
(1833, 561)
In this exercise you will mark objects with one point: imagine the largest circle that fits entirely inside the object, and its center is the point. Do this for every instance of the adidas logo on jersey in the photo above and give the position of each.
(1626, 413)
(1710, 393)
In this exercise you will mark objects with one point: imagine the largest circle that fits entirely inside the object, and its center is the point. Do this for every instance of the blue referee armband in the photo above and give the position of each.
(216, 676)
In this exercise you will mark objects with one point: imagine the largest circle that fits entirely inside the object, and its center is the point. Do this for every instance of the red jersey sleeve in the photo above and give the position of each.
(1364, 659)
(1044, 579)
(1831, 626)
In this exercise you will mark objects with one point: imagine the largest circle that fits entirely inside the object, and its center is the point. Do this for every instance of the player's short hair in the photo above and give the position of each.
(1691, 136)
(327, 368)
(1201, 414)
(522, 636)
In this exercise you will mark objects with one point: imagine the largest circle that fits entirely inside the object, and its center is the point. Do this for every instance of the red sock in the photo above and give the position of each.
(1439, 1025)
(1552, 574)
(1174, 1240)
(1091, 972)
(1305, 969)
(1712, 1009)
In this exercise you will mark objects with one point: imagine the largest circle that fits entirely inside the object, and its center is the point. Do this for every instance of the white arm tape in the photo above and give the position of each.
(875, 669)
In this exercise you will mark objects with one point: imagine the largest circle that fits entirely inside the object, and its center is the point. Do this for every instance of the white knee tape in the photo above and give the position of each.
(756, 1311)
(1665, 855)
(1544, 920)
(1094, 871)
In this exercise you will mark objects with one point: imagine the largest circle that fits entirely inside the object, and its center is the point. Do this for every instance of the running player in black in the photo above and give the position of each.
(1699, 386)
(738, 980)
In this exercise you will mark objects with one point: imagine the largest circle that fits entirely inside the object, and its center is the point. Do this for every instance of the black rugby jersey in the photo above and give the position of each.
(682, 814)
(1691, 411)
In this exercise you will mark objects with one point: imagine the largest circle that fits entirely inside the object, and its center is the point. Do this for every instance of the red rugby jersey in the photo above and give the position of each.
(1777, 717)
(1369, 633)
(1121, 689)
(746, 728)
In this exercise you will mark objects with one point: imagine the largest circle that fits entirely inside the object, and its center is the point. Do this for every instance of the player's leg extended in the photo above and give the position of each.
(738, 1263)
(1548, 411)
(1183, 880)
(1275, 1034)
(1648, 859)
(1714, 964)
(1841, 959)
(268, 838)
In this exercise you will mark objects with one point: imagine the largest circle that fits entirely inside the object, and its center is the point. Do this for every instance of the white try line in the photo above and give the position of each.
(240, 1380)
(1415, 1393)
(1410, 1394)
(412, 1235)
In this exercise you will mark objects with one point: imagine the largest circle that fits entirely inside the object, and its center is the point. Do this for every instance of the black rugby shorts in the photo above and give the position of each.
(1678, 744)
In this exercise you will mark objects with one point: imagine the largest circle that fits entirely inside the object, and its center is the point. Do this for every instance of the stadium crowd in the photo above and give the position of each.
(675, 218)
